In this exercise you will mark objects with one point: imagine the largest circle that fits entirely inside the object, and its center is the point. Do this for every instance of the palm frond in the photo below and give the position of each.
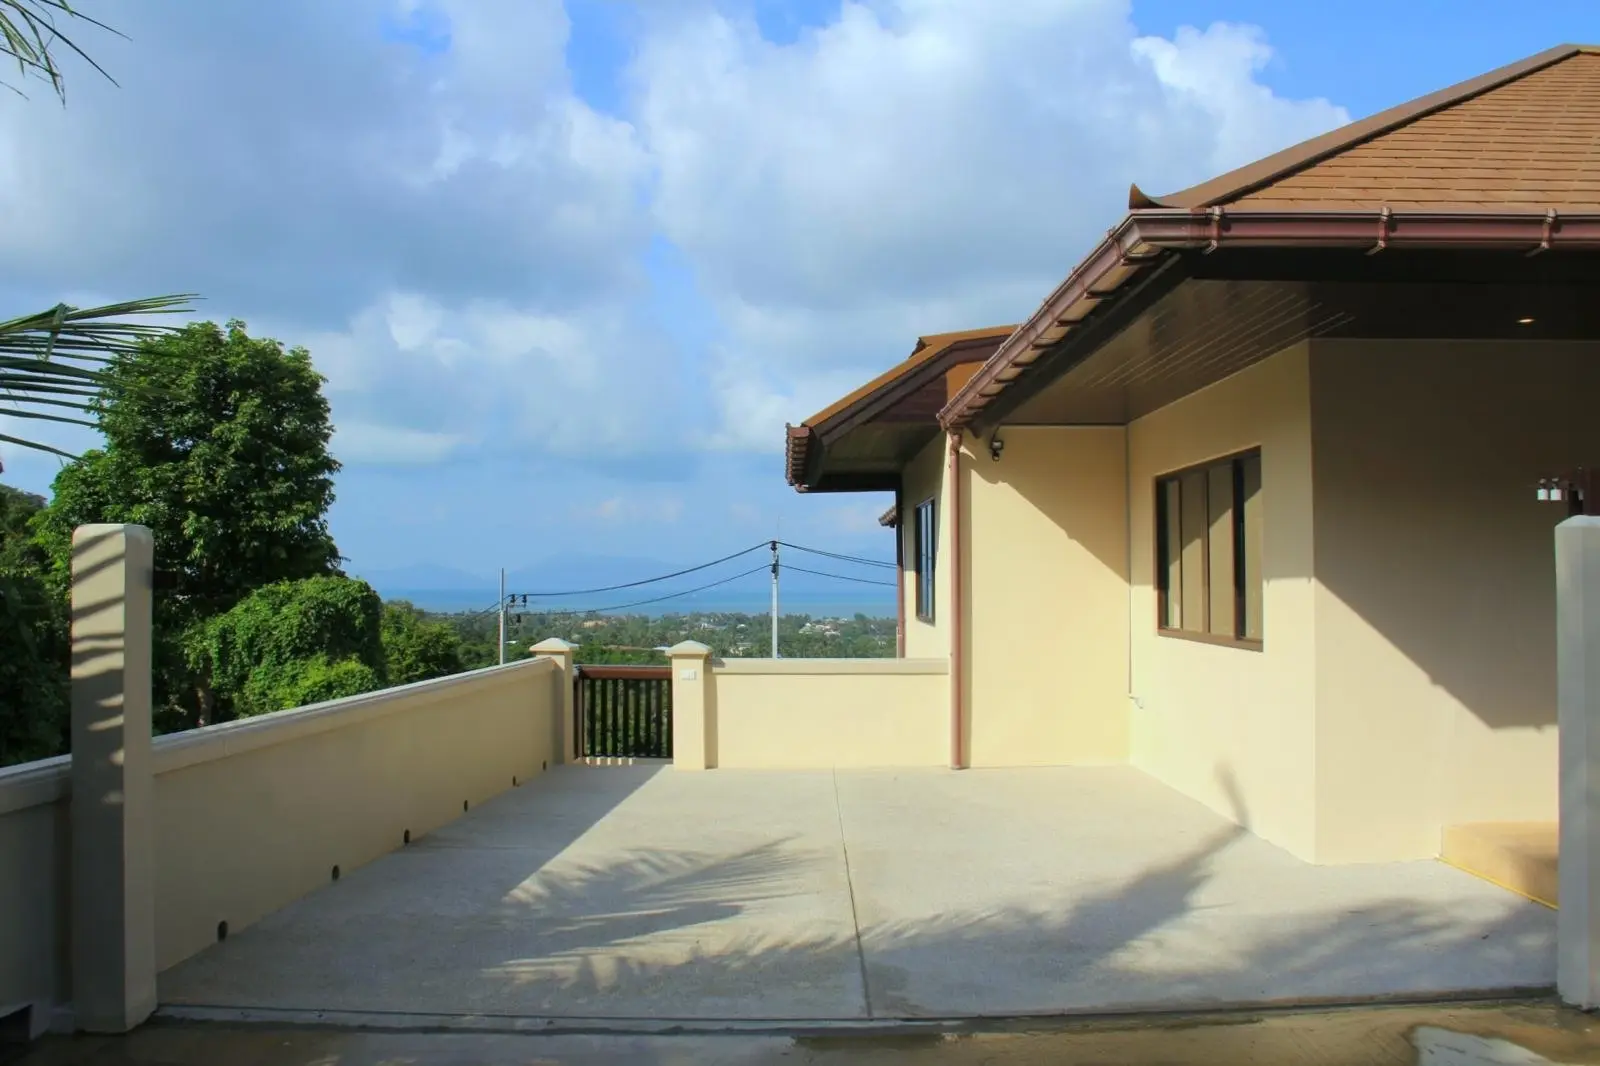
(29, 30)
(36, 446)
(62, 352)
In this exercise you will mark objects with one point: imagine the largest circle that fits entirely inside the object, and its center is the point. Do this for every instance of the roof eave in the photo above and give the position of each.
(1146, 237)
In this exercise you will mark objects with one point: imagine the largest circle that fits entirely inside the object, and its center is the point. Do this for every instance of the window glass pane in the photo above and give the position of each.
(1219, 549)
(1170, 561)
(1252, 579)
(1192, 551)
(927, 539)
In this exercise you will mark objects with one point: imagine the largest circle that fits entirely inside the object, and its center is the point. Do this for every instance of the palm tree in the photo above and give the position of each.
(55, 359)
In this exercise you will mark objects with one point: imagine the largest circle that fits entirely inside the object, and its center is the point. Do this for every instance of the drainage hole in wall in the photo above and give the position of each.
(222, 931)
(407, 838)
(464, 804)
(513, 780)
(543, 765)
(336, 873)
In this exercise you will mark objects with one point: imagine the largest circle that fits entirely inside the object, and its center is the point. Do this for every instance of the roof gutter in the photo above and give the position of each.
(1145, 238)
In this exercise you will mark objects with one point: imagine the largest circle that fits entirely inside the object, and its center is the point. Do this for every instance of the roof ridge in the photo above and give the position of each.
(1252, 176)
(953, 336)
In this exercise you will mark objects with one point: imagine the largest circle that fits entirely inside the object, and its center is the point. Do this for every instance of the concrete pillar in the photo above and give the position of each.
(1578, 717)
(567, 729)
(693, 710)
(113, 877)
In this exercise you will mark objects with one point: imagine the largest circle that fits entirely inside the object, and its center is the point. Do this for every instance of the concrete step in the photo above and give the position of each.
(1520, 856)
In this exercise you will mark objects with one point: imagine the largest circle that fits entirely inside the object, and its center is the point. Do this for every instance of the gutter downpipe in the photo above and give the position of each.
(899, 572)
(957, 629)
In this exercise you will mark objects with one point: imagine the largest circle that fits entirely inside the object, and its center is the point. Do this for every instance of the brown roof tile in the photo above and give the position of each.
(927, 348)
(1527, 134)
(1535, 140)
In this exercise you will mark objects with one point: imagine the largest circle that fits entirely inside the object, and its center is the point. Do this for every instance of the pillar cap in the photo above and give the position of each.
(689, 649)
(554, 646)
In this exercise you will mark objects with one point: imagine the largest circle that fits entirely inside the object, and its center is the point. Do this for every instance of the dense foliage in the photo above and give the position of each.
(416, 649)
(34, 718)
(218, 442)
(289, 638)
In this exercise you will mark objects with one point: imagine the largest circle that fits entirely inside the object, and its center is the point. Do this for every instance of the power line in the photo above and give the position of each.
(836, 555)
(646, 581)
(659, 599)
(839, 577)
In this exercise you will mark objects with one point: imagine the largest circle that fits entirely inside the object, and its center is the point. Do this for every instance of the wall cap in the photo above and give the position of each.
(35, 784)
(554, 646)
(689, 649)
(826, 667)
(175, 751)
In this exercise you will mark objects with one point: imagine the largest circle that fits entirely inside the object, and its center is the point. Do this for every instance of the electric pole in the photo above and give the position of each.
(502, 616)
(774, 599)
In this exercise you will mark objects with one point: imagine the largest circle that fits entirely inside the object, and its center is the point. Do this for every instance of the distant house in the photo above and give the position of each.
(1251, 499)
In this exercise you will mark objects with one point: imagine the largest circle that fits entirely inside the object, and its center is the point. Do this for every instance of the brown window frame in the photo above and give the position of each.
(1241, 578)
(925, 553)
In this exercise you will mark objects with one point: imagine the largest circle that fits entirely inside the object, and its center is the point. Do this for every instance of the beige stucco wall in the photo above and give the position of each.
(824, 713)
(1046, 597)
(253, 814)
(926, 476)
(35, 954)
(1435, 605)
(1232, 727)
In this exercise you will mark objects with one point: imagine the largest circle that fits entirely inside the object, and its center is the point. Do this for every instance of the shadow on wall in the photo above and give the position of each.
(1046, 466)
(1427, 455)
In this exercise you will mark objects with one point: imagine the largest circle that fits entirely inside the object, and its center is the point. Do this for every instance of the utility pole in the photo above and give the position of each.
(502, 616)
(774, 599)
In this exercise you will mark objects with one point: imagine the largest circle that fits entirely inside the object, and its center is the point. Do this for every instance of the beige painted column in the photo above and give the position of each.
(693, 724)
(567, 730)
(113, 882)
(1578, 718)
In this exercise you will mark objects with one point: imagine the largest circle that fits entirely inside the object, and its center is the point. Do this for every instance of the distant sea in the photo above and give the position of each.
(817, 604)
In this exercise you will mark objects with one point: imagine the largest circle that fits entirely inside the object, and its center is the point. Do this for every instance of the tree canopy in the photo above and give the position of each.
(34, 719)
(289, 641)
(416, 649)
(218, 442)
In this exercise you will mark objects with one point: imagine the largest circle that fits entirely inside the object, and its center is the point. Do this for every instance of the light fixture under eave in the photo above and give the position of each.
(1525, 321)
(996, 446)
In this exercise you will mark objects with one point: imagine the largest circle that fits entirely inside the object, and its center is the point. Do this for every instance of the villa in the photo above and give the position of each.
(1250, 501)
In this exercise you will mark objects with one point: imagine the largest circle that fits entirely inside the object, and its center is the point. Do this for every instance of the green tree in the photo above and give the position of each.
(416, 649)
(312, 680)
(34, 708)
(217, 441)
(292, 642)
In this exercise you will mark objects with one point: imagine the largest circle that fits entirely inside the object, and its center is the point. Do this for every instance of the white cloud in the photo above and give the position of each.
(492, 376)
(460, 240)
(920, 165)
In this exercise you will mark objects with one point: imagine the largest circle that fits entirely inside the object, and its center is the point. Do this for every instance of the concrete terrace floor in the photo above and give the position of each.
(640, 892)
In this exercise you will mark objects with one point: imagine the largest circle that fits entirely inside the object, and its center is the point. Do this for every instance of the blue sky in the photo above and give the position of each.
(569, 267)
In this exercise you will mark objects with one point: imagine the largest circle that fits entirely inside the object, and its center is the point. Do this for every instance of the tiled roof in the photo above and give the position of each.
(1525, 136)
(927, 348)
(1534, 142)
(1508, 161)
